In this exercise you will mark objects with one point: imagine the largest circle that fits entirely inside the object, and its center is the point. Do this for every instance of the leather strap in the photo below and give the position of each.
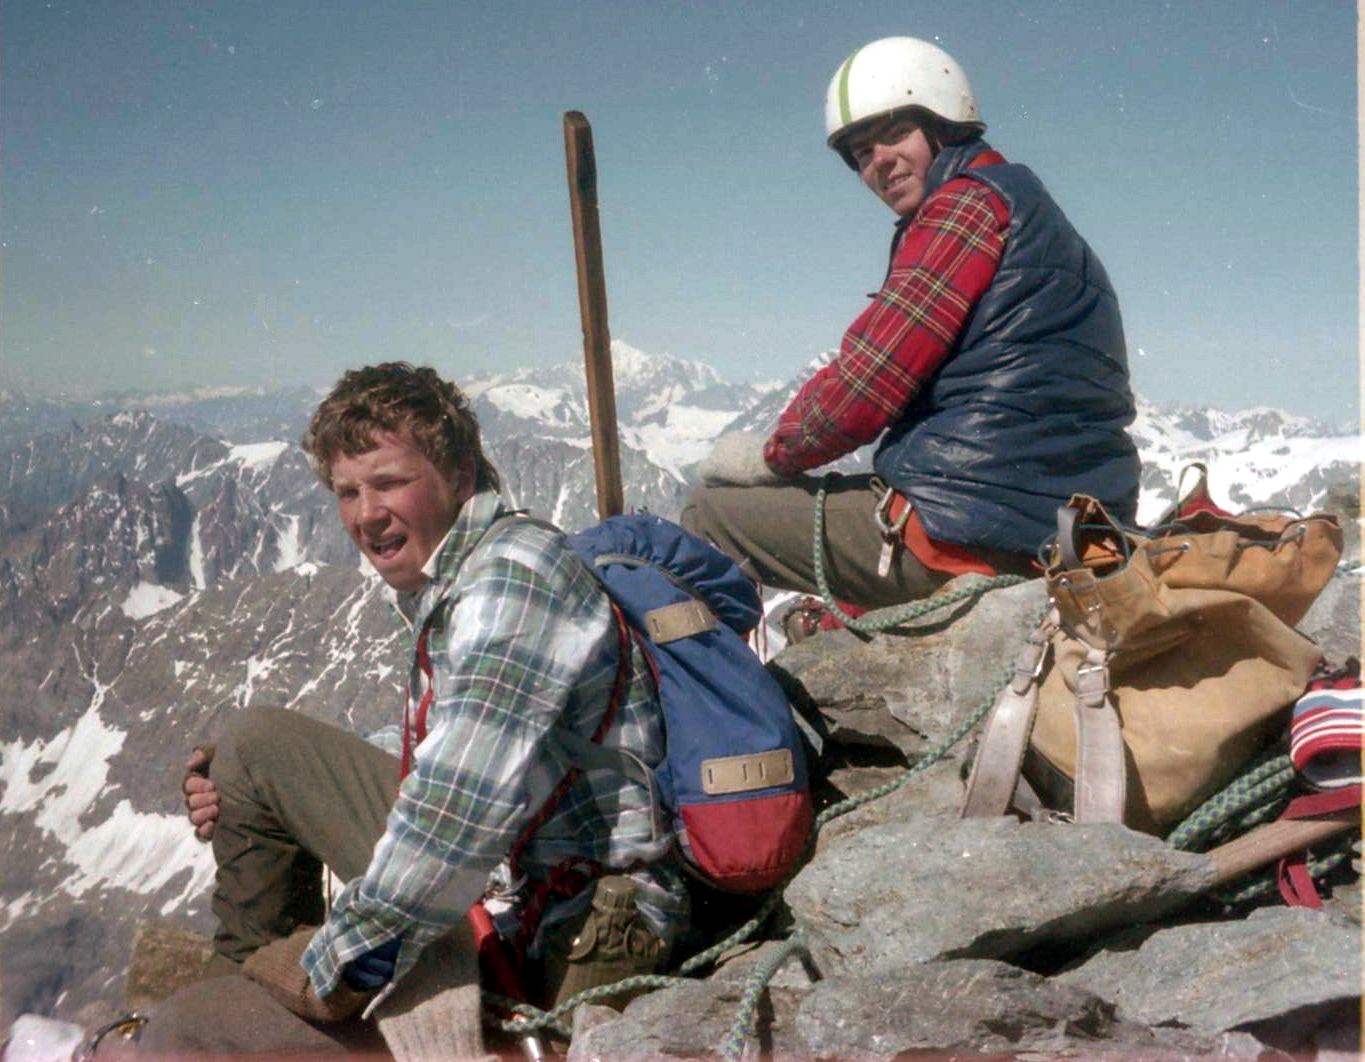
(744, 774)
(682, 619)
(1292, 875)
(1101, 783)
(1000, 752)
(588, 755)
(1067, 526)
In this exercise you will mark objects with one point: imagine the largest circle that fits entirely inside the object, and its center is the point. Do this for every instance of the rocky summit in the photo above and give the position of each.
(169, 560)
(921, 933)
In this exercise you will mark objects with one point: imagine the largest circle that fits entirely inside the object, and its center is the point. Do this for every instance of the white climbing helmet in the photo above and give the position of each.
(892, 74)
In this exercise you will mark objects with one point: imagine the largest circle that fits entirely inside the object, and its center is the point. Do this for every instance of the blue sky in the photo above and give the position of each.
(268, 193)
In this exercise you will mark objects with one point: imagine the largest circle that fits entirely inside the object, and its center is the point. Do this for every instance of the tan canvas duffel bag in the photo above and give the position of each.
(1168, 659)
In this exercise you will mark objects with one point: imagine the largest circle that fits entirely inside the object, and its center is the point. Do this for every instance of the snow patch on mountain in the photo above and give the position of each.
(141, 852)
(147, 599)
(257, 456)
(683, 438)
(62, 777)
(196, 559)
(527, 400)
(292, 552)
(61, 780)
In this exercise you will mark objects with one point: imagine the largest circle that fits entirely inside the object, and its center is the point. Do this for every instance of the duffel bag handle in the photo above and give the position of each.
(1087, 538)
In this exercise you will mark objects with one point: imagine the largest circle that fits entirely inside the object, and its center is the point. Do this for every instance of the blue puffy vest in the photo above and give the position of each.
(1032, 404)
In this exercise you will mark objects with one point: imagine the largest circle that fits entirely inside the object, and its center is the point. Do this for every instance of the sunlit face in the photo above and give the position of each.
(893, 159)
(397, 506)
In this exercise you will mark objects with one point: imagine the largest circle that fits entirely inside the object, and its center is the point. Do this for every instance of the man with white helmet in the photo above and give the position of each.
(991, 362)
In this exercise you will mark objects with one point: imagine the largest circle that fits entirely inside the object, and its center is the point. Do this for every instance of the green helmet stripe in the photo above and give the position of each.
(845, 111)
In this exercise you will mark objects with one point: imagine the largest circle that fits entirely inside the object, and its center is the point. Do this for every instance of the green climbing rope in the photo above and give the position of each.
(732, 1046)
(886, 619)
(1264, 781)
(1257, 795)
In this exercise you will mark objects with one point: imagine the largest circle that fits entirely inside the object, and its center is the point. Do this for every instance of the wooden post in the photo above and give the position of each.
(581, 163)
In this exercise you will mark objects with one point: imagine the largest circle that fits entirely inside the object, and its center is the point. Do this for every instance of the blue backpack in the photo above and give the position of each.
(733, 779)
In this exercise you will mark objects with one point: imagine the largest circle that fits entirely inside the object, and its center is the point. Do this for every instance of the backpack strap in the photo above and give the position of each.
(1101, 773)
(1068, 551)
(587, 755)
(623, 644)
(1000, 753)
(995, 784)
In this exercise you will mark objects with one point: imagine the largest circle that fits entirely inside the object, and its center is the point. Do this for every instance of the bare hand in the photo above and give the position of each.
(201, 795)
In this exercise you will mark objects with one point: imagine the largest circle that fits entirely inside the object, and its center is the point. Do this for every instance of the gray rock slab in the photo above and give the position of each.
(936, 790)
(983, 888)
(1279, 963)
(688, 1021)
(1334, 620)
(910, 688)
(166, 957)
(972, 1006)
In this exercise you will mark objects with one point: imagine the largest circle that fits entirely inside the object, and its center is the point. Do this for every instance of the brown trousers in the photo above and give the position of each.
(298, 795)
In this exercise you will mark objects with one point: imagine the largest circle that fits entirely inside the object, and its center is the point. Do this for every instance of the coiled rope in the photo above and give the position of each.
(1257, 795)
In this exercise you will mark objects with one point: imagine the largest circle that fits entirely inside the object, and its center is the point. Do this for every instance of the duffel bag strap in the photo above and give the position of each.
(1101, 788)
(1000, 752)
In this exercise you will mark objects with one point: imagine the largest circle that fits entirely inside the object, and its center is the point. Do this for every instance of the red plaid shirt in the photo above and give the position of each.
(944, 263)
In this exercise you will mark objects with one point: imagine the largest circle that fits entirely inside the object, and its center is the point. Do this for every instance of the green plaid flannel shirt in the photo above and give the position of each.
(522, 643)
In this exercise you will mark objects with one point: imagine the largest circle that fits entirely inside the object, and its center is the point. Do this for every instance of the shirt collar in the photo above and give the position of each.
(474, 518)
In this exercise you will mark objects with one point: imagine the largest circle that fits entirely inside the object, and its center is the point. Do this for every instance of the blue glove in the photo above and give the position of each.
(375, 968)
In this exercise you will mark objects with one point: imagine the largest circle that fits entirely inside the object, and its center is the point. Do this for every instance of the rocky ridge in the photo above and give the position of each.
(154, 578)
(925, 933)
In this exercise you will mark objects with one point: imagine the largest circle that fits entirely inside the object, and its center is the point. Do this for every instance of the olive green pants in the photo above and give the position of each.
(769, 531)
(296, 795)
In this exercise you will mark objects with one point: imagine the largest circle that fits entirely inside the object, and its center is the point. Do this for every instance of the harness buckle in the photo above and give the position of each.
(892, 532)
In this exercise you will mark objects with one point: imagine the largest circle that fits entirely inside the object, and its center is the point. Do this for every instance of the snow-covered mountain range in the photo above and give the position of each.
(168, 560)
